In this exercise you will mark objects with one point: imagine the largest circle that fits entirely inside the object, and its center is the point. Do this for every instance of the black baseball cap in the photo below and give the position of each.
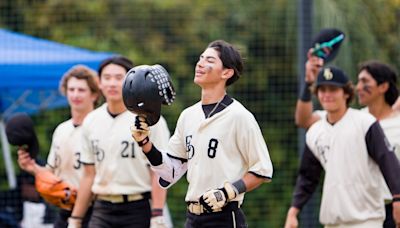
(20, 131)
(332, 76)
(327, 43)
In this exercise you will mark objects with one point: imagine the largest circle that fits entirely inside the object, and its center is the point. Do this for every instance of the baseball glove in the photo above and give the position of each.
(54, 190)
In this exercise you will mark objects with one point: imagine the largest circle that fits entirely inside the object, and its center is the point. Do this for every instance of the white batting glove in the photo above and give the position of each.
(216, 199)
(158, 222)
(140, 131)
(74, 222)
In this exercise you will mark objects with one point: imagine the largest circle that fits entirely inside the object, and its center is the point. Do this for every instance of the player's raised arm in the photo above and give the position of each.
(304, 116)
(325, 47)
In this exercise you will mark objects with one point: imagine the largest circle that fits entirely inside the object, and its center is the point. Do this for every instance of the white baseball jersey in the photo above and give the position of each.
(352, 187)
(64, 153)
(121, 166)
(221, 148)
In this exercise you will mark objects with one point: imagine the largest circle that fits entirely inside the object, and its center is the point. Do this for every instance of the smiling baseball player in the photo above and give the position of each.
(217, 141)
(350, 146)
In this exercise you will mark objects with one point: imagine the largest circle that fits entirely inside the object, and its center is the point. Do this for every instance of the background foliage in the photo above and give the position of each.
(174, 33)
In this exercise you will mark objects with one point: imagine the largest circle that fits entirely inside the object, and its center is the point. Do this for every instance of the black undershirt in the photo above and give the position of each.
(227, 100)
(112, 114)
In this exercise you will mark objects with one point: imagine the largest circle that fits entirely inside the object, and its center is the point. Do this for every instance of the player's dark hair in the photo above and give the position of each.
(230, 58)
(117, 60)
(84, 73)
(349, 90)
(383, 73)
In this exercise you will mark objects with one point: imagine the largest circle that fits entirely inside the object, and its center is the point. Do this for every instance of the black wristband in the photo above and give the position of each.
(144, 141)
(305, 93)
(156, 212)
(396, 199)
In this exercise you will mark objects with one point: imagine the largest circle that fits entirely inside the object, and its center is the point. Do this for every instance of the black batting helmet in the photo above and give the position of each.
(145, 89)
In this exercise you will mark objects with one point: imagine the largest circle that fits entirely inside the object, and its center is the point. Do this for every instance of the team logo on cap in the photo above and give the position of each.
(328, 74)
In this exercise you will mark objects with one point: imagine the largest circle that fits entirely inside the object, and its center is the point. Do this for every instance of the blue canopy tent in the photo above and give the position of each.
(30, 70)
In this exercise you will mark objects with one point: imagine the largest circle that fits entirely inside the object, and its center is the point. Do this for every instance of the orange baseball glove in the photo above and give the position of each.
(54, 190)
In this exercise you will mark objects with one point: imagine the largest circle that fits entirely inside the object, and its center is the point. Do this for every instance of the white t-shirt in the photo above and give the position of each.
(121, 166)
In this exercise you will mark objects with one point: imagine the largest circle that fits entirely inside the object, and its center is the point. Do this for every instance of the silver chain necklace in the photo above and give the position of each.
(215, 108)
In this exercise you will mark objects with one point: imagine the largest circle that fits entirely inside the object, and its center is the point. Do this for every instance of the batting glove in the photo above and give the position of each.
(216, 199)
(158, 222)
(140, 131)
(74, 222)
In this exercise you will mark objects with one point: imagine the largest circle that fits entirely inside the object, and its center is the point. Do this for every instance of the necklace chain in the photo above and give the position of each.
(215, 108)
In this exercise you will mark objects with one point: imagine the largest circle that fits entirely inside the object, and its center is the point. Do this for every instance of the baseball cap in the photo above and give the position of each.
(332, 76)
(20, 131)
(327, 42)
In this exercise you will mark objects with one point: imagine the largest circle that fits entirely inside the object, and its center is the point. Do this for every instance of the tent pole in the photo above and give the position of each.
(12, 180)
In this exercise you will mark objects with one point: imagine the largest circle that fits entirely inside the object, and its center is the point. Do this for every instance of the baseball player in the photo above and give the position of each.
(80, 86)
(350, 146)
(376, 89)
(115, 170)
(217, 141)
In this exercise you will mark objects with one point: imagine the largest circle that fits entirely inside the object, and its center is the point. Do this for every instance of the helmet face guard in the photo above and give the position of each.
(145, 89)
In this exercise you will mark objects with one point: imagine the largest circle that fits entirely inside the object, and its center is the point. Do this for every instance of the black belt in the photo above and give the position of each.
(198, 209)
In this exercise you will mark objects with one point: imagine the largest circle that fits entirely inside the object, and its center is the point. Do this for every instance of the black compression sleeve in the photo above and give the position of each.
(154, 156)
(308, 178)
(381, 152)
